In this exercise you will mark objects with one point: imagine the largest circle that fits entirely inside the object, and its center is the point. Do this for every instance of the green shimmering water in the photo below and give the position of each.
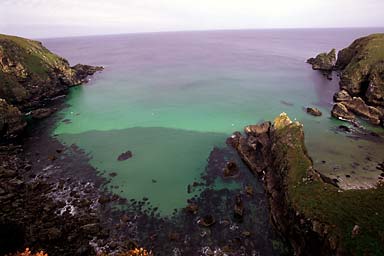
(170, 98)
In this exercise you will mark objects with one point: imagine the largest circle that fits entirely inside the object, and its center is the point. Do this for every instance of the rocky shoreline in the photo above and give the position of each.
(307, 208)
(361, 68)
(51, 199)
(259, 149)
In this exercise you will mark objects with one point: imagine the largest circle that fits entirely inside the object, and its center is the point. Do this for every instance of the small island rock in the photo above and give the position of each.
(314, 111)
(323, 61)
(125, 156)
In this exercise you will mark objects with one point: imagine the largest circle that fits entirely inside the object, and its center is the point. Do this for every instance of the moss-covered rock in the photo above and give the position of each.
(11, 120)
(315, 216)
(30, 76)
(323, 61)
(362, 69)
(30, 73)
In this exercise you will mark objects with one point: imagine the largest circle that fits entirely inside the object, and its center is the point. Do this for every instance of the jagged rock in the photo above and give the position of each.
(323, 61)
(249, 190)
(257, 129)
(192, 208)
(362, 67)
(83, 71)
(281, 121)
(342, 95)
(42, 113)
(359, 107)
(207, 221)
(11, 120)
(92, 228)
(230, 169)
(341, 112)
(238, 208)
(314, 111)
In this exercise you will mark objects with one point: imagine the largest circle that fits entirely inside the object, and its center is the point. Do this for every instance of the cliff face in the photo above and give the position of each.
(362, 65)
(362, 76)
(30, 75)
(315, 216)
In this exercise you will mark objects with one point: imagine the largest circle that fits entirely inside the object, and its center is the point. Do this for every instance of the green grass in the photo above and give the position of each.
(340, 210)
(370, 52)
(34, 55)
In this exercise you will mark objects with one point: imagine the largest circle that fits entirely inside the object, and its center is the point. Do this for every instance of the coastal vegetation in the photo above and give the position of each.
(315, 215)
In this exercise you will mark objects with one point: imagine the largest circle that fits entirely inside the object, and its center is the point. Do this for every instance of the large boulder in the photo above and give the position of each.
(314, 111)
(342, 95)
(11, 120)
(323, 61)
(341, 112)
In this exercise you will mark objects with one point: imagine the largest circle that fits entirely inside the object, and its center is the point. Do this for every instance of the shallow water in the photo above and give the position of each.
(171, 97)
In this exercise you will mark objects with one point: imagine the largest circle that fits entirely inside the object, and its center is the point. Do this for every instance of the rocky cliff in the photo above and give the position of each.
(361, 67)
(30, 76)
(314, 215)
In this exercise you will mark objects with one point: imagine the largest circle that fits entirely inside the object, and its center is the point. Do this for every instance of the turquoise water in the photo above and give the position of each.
(171, 97)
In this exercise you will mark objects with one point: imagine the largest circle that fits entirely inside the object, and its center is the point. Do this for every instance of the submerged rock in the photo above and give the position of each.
(124, 156)
(238, 208)
(314, 111)
(207, 221)
(231, 169)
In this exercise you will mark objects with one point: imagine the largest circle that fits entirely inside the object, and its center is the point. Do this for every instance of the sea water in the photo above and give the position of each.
(170, 98)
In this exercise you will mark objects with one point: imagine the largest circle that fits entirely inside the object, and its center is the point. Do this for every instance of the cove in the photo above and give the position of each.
(171, 98)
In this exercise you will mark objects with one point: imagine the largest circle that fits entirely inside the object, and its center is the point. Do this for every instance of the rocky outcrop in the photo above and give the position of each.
(342, 95)
(306, 207)
(268, 159)
(346, 110)
(341, 112)
(359, 107)
(323, 61)
(361, 67)
(31, 76)
(313, 111)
